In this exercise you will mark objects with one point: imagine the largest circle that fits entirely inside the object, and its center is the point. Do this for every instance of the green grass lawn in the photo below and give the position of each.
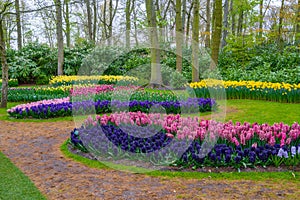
(262, 111)
(14, 184)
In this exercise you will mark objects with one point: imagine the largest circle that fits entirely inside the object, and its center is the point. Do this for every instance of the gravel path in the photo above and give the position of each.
(35, 149)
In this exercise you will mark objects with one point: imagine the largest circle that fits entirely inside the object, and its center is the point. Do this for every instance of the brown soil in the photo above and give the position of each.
(34, 148)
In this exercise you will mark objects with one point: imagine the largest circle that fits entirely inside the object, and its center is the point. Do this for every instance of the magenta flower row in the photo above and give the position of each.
(193, 128)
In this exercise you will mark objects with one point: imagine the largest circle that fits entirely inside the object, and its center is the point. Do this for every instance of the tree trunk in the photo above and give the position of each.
(279, 37)
(195, 43)
(232, 19)
(188, 24)
(298, 25)
(67, 21)
(225, 23)
(4, 64)
(60, 38)
(128, 22)
(240, 23)
(104, 20)
(89, 20)
(179, 38)
(207, 29)
(95, 21)
(156, 79)
(19, 26)
(261, 18)
(135, 24)
(216, 34)
(183, 17)
(110, 27)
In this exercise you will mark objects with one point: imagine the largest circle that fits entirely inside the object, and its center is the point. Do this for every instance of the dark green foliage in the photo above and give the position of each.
(36, 63)
(261, 63)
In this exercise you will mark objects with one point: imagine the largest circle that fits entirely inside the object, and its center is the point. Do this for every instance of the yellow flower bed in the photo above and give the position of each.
(252, 85)
(90, 79)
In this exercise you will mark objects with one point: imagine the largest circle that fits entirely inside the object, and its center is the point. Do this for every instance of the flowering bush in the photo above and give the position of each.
(77, 80)
(282, 92)
(236, 145)
(63, 107)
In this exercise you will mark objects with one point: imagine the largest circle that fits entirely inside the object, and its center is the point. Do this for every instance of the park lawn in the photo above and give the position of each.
(14, 184)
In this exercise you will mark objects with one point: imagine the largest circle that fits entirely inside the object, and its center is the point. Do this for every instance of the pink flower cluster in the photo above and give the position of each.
(91, 90)
(37, 103)
(192, 128)
(78, 91)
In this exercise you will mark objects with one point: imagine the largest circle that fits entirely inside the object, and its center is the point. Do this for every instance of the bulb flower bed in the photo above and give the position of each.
(78, 80)
(236, 145)
(281, 92)
(64, 107)
(47, 93)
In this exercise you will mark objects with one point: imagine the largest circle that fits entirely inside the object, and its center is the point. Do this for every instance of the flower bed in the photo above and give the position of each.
(47, 93)
(237, 145)
(281, 92)
(78, 80)
(64, 107)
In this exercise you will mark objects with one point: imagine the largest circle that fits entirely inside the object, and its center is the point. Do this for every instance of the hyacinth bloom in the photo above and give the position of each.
(137, 132)
(96, 89)
(56, 107)
(192, 128)
(28, 106)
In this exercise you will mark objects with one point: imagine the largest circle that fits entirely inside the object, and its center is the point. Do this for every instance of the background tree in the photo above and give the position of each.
(60, 38)
(179, 36)
(67, 22)
(298, 23)
(195, 42)
(216, 33)
(207, 29)
(4, 6)
(156, 79)
(225, 23)
(19, 26)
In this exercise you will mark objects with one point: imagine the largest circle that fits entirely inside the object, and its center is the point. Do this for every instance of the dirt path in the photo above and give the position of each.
(34, 148)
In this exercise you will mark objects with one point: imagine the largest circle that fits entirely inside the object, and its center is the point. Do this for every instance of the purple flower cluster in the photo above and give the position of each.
(64, 107)
(110, 140)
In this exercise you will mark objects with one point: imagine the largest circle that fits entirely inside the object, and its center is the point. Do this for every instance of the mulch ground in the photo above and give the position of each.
(35, 149)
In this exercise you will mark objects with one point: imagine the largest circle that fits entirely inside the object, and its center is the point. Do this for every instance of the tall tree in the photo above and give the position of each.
(67, 21)
(225, 23)
(95, 20)
(298, 24)
(189, 14)
(183, 16)
(128, 10)
(179, 36)
(216, 33)
(280, 23)
(156, 79)
(19, 27)
(232, 17)
(207, 29)
(261, 5)
(4, 6)
(89, 20)
(195, 42)
(60, 38)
